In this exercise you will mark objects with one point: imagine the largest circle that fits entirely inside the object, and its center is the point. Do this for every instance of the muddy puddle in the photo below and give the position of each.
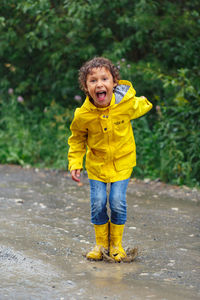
(45, 229)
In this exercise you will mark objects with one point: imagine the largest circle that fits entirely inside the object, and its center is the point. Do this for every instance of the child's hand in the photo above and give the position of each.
(76, 174)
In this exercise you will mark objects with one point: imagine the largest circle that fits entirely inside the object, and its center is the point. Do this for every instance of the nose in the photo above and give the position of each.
(99, 83)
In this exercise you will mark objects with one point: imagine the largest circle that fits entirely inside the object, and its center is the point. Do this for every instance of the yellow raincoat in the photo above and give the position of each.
(107, 134)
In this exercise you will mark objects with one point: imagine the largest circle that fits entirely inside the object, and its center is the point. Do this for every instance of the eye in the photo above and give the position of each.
(105, 78)
(92, 80)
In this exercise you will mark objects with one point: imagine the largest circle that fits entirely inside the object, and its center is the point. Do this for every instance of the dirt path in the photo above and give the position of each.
(45, 227)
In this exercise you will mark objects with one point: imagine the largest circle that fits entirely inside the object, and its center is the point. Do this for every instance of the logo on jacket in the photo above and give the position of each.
(119, 122)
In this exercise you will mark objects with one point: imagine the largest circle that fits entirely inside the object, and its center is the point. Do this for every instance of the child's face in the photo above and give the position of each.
(100, 86)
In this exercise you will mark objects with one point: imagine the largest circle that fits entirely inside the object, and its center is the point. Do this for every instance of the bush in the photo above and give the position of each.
(155, 43)
(33, 137)
(168, 144)
(44, 43)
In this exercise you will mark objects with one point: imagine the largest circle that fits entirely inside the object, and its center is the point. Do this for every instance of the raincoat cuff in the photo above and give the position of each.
(76, 166)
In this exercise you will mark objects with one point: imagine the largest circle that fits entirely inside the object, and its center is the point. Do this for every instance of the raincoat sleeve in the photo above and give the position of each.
(140, 107)
(77, 145)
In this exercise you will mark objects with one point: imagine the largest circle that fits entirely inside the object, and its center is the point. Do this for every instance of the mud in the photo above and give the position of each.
(45, 228)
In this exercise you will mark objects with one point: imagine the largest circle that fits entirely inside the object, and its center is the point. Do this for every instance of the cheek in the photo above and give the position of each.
(90, 90)
(110, 89)
(87, 88)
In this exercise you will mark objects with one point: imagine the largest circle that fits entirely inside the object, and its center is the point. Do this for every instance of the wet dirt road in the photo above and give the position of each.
(45, 227)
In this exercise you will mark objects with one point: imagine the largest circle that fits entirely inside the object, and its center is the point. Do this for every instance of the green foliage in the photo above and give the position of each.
(33, 137)
(44, 42)
(156, 45)
(170, 149)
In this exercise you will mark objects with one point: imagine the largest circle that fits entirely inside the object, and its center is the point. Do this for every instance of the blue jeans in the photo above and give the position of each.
(117, 202)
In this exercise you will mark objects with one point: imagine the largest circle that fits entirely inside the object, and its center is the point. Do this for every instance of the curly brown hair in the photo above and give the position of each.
(96, 62)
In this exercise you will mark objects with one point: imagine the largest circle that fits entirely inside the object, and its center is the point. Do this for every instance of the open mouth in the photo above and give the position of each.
(101, 95)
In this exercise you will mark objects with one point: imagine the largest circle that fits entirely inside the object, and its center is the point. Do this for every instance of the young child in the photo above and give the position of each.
(103, 125)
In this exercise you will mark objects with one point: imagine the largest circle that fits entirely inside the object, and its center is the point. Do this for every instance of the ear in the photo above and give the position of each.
(115, 83)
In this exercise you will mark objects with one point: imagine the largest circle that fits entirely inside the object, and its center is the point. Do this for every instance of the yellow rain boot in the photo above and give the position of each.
(116, 250)
(102, 241)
